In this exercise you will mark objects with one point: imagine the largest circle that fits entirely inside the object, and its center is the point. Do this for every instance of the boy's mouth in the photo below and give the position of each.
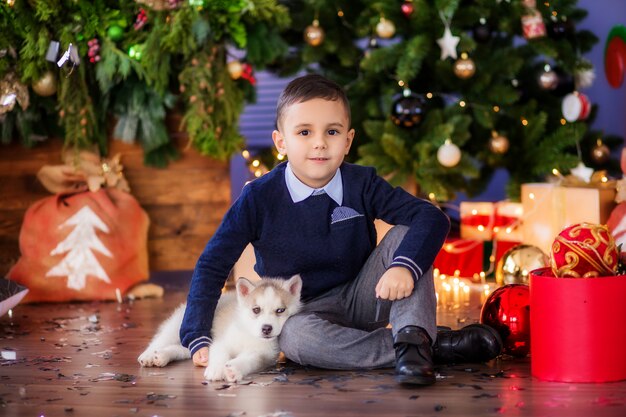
(319, 159)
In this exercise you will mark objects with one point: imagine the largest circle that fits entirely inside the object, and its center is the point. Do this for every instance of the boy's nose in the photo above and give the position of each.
(320, 144)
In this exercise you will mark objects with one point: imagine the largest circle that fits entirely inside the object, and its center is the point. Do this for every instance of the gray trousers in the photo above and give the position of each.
(340, 330)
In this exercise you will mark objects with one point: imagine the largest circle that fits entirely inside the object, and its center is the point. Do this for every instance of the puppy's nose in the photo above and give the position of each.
(266, 329)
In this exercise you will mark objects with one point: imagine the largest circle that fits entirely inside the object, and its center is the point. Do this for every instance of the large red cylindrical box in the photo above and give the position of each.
(577, 328)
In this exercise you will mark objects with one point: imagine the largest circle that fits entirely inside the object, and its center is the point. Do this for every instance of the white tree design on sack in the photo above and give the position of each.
(80, 261)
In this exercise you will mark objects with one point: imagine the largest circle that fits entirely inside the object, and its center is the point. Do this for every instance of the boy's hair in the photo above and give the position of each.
(309, 87)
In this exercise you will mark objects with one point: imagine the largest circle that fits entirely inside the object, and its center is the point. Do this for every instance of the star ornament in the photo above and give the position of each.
(583, 172)
(448, 44)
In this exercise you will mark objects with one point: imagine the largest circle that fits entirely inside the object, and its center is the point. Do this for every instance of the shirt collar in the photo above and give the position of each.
(299, 191)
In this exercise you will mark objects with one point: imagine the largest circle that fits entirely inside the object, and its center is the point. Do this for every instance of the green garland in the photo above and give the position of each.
(149, 60)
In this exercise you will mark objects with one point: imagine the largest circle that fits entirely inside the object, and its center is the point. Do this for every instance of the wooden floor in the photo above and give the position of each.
(80, 360)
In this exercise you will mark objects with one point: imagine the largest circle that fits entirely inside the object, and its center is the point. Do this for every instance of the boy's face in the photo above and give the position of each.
(316, 136)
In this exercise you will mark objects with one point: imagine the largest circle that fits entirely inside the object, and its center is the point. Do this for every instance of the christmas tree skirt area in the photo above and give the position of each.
(81, 359)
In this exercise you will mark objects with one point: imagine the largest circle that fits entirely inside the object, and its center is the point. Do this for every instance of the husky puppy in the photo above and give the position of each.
(244, 332)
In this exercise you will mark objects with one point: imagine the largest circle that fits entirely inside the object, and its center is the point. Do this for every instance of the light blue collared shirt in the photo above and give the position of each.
(299, 191)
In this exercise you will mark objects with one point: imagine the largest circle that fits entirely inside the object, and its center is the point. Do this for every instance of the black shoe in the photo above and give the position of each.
(473, 343)
(414, 360)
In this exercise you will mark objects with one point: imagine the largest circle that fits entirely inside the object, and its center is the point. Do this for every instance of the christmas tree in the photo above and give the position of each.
(444, 92)
(97, 66)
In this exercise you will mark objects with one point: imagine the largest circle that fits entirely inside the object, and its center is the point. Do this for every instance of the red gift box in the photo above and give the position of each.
(488, 221)
(470, 257)
(577, 331)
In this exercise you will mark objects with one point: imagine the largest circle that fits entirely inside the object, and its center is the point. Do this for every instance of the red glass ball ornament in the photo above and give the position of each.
(407, 8)
(584, 250)
(507, 310)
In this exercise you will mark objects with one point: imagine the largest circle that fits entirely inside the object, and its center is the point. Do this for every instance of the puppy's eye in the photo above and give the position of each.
(256, 310)
(280, 311)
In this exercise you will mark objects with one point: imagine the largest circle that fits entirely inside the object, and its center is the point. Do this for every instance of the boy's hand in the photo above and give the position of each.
(201, 357)
(395, 284)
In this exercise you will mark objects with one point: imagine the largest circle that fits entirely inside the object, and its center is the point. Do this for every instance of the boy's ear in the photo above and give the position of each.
(350, 139)
(279, 142)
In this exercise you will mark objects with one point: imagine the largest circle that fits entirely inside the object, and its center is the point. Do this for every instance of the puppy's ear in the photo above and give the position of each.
(244, 287)
(294, 285)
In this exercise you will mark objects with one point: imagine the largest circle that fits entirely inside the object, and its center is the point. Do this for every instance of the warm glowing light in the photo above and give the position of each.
(604, 179)
(245, 154)
(429, 95)
(496, 108)
(525, 122)
(481, 228)
(466, 289)
(462, 103)
(563, 121)
(280, 157)
(492, 258)
(474, 212)
(401, 83)
(431, 196)
(508, 230)
(256, 163)
(496, 229)
(258, 173)
(531, 196)
(10, 312)
(449, 247)
(340, 13)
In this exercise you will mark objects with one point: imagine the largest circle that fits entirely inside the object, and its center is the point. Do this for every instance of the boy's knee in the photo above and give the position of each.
(396, 233)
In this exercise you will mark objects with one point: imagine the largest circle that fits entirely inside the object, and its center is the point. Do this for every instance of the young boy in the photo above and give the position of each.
(314, 216)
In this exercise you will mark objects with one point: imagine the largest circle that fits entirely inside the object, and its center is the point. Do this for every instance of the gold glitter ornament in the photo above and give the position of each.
(46, 86)
(464, 67)
(314, 34)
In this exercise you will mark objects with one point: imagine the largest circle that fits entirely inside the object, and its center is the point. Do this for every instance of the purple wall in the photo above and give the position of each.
(257, 120)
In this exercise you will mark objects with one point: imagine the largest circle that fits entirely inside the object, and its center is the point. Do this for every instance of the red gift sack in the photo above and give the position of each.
(82, 246)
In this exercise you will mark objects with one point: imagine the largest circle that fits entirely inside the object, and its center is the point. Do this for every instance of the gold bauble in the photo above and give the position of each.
(600, 153)
(46, 85)
(235, 69)
(516, 264)
(498, 144)
(464, 67)
(314, 34)
(385, 28)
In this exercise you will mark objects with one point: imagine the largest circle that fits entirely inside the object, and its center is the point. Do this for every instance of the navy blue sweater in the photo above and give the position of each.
(326, 244)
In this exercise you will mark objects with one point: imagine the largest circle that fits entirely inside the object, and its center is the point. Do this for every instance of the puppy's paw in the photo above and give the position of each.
(153, 358)
(214, 373)
(232, 373)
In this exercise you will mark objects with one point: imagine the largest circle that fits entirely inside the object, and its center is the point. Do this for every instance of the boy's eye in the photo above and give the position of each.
(280, 310)
(304, 132)
(256, 310)
(333, 132)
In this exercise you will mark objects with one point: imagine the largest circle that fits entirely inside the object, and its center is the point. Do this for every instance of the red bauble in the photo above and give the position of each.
(407, 8)
(615, 62)
(507, 310)
(584, 250)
